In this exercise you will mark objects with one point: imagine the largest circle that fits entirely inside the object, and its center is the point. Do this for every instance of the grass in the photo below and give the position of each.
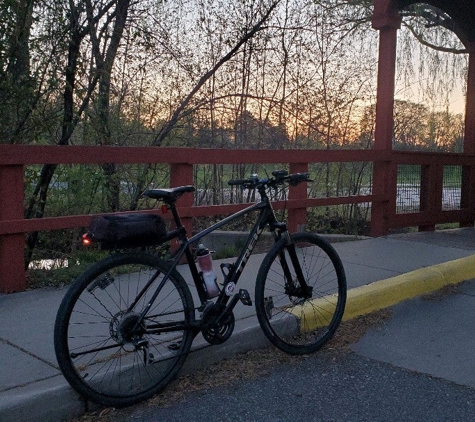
(228, 251)
(447, 226)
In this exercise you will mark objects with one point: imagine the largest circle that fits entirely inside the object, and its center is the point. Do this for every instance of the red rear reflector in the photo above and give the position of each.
(164, 209)
(86, 240)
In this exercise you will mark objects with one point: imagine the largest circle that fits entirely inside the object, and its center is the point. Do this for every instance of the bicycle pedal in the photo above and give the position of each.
(244, 297)
(174, 346)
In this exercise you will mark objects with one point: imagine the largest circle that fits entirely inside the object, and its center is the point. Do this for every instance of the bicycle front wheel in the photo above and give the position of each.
(103, 349)
(300, 316)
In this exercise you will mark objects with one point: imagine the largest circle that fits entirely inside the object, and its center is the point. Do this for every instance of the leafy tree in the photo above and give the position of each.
(16, 85)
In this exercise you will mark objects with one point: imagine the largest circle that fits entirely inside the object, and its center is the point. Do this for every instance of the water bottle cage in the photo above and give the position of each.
(229, 268)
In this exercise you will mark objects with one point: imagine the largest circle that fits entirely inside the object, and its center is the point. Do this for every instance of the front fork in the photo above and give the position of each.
(297, 286)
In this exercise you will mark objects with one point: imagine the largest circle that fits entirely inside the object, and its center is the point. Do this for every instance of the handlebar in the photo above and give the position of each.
(280, 177)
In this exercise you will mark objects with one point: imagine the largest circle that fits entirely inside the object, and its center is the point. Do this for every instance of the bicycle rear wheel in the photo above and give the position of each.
(300, 319)
(102, 351)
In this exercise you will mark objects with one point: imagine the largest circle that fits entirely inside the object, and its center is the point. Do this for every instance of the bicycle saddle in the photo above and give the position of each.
(168, 195)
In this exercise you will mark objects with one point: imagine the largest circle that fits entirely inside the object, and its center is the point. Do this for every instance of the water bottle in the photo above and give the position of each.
(205, 262)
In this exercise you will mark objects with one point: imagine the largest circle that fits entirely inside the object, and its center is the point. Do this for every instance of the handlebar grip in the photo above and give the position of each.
(280, 173)
(296, 178)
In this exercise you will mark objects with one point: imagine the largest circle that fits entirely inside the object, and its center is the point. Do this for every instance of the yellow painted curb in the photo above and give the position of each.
(385, 293)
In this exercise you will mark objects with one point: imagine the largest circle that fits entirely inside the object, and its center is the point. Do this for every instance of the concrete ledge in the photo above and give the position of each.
(221, 239)
(49, 400)
(385, 293)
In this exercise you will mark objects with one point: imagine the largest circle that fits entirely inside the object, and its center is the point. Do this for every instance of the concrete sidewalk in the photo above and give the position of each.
(381, 272)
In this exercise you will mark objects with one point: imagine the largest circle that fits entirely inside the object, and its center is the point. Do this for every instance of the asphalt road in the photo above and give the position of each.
(327, 386)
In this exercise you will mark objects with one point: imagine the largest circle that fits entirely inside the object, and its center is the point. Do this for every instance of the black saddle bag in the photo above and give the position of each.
(127, 230)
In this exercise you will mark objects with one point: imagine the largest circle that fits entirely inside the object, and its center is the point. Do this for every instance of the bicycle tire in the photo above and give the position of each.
(294, 322)
(97, 349)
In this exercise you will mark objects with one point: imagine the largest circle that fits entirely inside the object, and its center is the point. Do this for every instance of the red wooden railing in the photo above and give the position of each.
(13, 159)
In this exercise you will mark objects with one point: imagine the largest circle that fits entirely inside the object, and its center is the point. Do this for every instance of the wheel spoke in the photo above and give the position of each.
(103, 348)
(300, 318)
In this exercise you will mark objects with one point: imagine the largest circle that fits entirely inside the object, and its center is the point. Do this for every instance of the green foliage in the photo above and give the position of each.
(64, 267)
(409, 174)
(228, 251)
(347, 220)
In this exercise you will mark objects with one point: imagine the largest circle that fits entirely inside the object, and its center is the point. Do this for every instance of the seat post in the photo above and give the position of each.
(176, 217)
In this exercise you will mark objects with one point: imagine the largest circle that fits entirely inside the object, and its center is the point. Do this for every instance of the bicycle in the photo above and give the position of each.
(126, 325)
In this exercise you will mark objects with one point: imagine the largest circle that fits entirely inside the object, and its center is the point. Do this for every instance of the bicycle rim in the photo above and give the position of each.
(298, 320)
(102, 352)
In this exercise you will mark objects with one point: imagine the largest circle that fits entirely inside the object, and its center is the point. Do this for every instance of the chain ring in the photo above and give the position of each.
(216, 333)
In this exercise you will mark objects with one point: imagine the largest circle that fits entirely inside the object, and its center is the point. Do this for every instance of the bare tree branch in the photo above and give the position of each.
(166, 129)
(423, 41)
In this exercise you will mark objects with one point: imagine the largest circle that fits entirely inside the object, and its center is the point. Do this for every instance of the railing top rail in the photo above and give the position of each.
(426, 157)
(35, 154)
(72, 154)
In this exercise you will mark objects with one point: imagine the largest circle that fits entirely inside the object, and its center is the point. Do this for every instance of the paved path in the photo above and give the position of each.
(432, 337)
(323, 387)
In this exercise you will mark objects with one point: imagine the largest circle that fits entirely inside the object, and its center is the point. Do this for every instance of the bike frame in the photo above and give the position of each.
(265, 218)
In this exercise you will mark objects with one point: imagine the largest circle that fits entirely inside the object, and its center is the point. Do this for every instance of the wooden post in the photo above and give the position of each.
(467, 200)
(181, 175)
(297, 216)
(432, 180)
(12, 246)
(387, 21)
(469, 142)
